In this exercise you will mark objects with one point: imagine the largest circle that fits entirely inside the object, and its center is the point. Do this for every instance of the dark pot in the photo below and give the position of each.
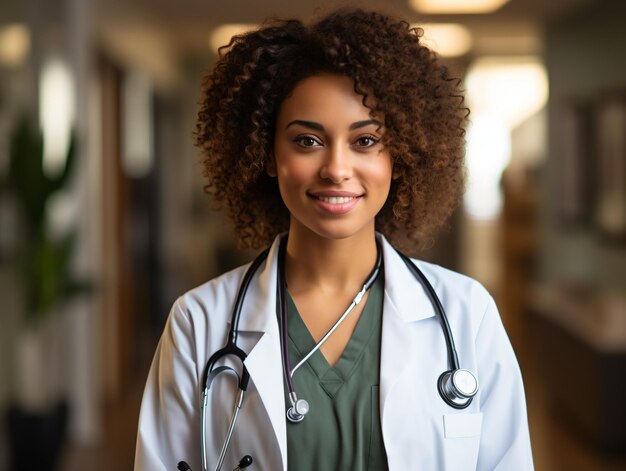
(36, 439)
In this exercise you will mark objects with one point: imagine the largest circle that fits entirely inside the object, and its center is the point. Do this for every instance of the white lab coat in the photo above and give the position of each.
(420, 431)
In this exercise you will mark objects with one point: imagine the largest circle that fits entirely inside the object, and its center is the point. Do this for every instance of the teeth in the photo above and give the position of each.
(336, 199)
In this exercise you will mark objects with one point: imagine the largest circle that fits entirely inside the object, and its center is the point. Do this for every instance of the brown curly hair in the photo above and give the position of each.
(422, 107)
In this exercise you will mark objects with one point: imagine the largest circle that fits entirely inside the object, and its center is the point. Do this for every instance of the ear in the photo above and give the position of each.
(270, 167)
(395, 174)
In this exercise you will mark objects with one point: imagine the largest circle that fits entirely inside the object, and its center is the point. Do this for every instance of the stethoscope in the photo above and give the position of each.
(456, 386)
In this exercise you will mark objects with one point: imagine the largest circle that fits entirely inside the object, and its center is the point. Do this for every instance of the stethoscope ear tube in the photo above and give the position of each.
(231, 429)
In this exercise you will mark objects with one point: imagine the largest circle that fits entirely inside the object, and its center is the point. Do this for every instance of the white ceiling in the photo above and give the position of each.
(157, 35)
(185, 24)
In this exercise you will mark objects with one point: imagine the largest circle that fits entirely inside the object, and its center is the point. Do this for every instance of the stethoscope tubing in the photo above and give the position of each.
(281, 307)
(231, 348)
(282, 317)
(321, 342)
(453, 358)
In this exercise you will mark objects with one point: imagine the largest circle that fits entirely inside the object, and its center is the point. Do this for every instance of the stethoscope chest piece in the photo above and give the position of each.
(458, 387)
(297, 411)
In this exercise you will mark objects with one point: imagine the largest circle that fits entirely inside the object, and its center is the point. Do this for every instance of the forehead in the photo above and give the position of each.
(325, 97)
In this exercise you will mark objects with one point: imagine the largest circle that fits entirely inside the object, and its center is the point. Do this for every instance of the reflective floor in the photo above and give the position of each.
(556, 447)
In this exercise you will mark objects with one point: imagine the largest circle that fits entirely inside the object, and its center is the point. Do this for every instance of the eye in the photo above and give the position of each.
(366, 141)
(307, 141)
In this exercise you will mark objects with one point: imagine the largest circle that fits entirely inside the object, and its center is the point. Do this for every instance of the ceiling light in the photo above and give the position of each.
(137, 138)
(56, 114)
(456, 6)
(514, 88)
(222, 35)
(14, 45)
(503, 93)
(447, 39)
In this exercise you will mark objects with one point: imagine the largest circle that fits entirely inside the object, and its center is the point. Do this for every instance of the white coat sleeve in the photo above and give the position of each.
(169, 428)
(505, 441)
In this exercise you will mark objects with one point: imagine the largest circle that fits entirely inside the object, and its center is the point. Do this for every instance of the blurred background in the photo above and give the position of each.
(103, 222)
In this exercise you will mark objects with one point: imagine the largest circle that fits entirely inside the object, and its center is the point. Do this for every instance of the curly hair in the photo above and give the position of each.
(422, 108)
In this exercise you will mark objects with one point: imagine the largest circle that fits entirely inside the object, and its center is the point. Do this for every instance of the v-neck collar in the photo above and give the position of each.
(333, 377)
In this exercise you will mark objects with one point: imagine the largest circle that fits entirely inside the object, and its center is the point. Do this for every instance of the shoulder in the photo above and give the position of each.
(461, 296)
(447, 281)
(464, 300)
(211, 298)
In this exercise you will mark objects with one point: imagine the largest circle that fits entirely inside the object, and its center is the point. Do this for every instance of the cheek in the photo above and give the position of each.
(381, 172)
(294, 171)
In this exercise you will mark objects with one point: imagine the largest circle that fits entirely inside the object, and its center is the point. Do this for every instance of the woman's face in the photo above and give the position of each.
(333, 173)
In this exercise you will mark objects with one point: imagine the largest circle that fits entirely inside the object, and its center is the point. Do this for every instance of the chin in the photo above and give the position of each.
(341, 231)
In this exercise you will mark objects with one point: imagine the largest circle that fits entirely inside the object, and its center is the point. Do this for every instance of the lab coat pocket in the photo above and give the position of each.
(462, 441)
(462, 425)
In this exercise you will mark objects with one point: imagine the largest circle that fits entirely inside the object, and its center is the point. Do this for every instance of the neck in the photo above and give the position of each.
(332, 265)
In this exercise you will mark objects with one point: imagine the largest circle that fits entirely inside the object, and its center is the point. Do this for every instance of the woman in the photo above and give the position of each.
(327, 141)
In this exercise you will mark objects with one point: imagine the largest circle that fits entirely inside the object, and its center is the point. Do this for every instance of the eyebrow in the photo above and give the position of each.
(319, 127)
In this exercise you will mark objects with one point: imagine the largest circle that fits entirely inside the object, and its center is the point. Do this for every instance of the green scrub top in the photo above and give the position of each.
(342, 429)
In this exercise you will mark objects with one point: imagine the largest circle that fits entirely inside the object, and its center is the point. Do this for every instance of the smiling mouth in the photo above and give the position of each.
(335, 199)
(336, 202)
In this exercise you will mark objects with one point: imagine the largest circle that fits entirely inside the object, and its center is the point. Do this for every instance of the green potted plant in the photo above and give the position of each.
(37, 419)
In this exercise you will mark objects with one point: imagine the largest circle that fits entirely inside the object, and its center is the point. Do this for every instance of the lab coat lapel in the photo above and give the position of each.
(264, 361)
(404, 304)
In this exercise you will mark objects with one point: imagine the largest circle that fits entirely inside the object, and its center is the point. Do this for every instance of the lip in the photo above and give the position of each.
(335, 207)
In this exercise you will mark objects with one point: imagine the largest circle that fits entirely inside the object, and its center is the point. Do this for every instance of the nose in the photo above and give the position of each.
(337, 165)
